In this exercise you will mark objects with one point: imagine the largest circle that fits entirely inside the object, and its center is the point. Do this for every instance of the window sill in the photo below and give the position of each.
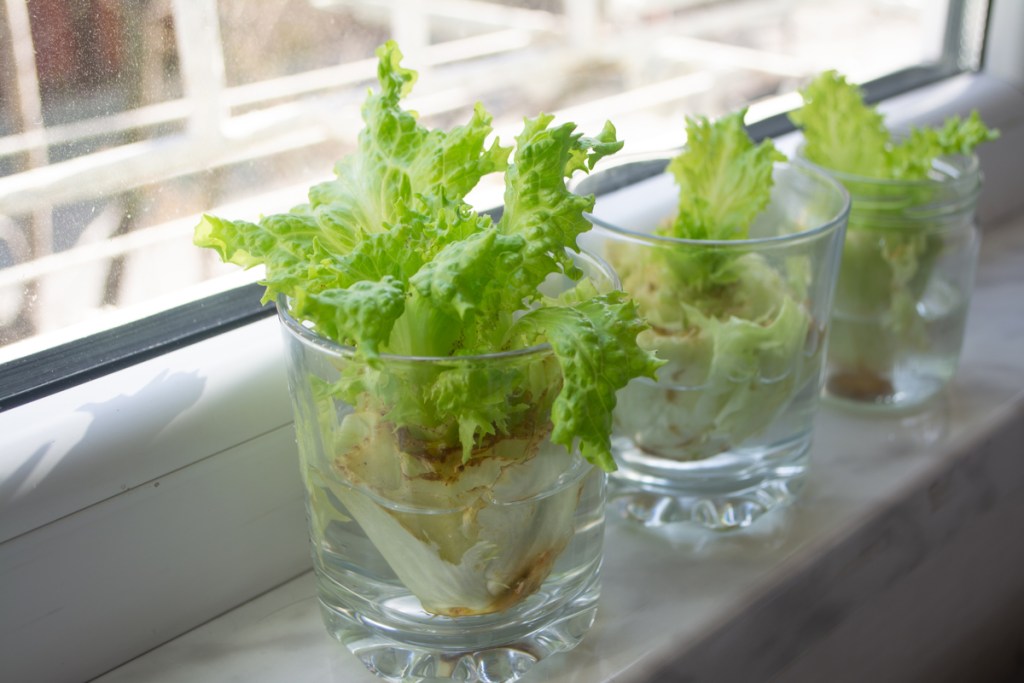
(901, 562)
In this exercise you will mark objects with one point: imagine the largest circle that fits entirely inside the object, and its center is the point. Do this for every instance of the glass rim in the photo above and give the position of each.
(309, 336)
(297, 329)
(972, 170)
(818, 173)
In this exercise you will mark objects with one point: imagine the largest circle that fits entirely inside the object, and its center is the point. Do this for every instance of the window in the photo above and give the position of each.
(177, 470)
(122, 122)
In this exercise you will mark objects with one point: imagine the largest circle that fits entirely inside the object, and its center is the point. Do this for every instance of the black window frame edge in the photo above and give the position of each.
(61, 367)
(777, 125)
(49, 371)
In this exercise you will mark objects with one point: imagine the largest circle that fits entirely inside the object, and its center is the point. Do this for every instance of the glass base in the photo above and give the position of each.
(909, 394)
(489, 650)
(872, 366)
(726, 492)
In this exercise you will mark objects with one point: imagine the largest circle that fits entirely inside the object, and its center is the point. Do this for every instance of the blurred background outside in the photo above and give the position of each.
(121, 121)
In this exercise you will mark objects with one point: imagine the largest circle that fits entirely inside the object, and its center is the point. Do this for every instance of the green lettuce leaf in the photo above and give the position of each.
(912, 158)
(840, 131)
(843, 133)
(389, 258)
(731, 325)
(724, 179)
(538, 207)
(595, 343)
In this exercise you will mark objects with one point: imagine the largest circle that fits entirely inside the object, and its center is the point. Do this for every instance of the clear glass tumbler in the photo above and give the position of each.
(429, 566)
(722, 436)
(904, 286)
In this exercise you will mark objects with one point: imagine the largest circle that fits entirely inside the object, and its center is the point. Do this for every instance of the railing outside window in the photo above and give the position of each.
(122, 121)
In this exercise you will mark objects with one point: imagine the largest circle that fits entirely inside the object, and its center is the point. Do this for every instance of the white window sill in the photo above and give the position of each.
(902, 561)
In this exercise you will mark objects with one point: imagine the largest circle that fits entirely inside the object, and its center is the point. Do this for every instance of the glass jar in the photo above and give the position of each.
(435, 560)
(904, 286)
(722, 436)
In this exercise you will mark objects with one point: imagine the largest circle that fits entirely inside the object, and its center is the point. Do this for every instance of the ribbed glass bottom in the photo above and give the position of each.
(546, 605)
(725, 492)
(494, 650)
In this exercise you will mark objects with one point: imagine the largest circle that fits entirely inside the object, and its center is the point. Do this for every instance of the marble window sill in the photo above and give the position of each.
(903, 561)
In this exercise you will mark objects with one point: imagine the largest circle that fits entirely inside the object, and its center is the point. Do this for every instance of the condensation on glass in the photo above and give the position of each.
(121, 122)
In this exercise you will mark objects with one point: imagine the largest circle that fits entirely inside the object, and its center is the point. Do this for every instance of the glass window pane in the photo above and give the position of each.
(121, 122)
(287, 38)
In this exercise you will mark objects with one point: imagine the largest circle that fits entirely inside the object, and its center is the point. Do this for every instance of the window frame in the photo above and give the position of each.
(40, 374)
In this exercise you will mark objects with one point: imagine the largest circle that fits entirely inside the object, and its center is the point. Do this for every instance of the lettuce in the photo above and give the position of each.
(724, 179)
(892, 243)
(728, 322)
(388, 258)
(843, 133)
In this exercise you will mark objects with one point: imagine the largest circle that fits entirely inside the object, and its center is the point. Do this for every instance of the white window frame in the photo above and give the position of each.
(140, 504)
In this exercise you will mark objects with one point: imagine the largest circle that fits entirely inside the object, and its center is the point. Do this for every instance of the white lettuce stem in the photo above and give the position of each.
(465, 541)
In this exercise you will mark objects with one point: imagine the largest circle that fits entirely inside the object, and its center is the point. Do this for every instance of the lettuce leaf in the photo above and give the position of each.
(840, 131)
(731, 325)
(843, 133)
(724, 179)
(912, 158)
(595, 343)
(389, 258)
